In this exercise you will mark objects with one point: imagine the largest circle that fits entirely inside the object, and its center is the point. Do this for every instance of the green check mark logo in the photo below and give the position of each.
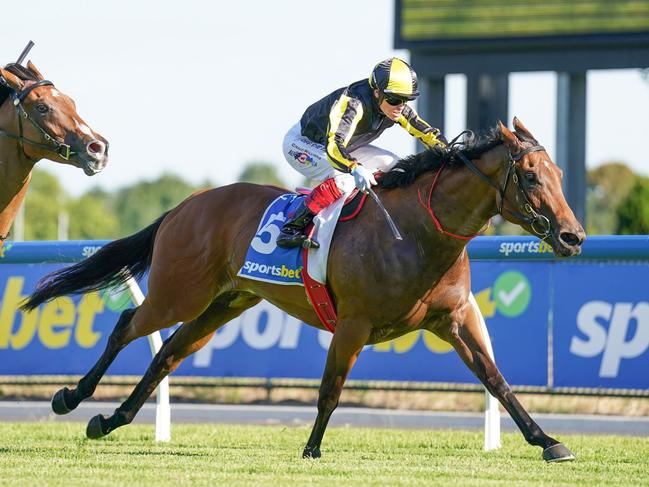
(117, 298)
(512, 293)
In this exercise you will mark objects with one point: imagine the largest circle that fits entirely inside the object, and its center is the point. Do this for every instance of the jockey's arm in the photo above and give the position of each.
(417, 127)
(343, 119)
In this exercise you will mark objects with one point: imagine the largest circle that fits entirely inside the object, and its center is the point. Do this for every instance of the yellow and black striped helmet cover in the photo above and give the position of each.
(395, 77)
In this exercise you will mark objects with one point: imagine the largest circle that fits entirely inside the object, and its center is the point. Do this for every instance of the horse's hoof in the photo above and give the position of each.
(58, 402)
(557, 453)
(95, 429)
(311, 453)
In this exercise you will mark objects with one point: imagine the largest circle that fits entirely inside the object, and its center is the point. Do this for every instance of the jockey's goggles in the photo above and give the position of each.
(394, 101)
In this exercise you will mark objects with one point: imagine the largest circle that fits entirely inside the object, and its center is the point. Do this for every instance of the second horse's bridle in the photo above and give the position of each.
(52, 145)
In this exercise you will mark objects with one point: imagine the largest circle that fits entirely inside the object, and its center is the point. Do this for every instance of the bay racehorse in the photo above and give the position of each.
(37, 121)
(382, 287)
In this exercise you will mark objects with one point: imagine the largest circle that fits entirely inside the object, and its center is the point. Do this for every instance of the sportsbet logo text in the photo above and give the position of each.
(272, 270)
(618, 341)
(264, 327)
(507, 248)
(55, 323)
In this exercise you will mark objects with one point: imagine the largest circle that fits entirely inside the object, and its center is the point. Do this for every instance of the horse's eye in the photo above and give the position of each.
(42, 108)
(530, 177)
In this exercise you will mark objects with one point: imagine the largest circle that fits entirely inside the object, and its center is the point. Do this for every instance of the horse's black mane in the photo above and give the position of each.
(408, 168)
(22, 72)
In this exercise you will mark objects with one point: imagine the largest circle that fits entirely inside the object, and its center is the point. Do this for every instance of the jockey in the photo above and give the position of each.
(333, 136)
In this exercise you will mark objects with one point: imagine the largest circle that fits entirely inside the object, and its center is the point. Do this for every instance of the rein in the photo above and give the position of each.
(431, 212)
(59, 148)
(539, 223)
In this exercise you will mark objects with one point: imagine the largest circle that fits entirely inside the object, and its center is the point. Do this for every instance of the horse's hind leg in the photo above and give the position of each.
(186, 340)
(132, 324)
(467, 340)
(65, 400)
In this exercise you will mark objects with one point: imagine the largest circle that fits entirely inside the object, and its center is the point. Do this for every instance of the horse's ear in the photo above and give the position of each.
(15, 83)
(508, 137)
(34, 69)
(522, 132)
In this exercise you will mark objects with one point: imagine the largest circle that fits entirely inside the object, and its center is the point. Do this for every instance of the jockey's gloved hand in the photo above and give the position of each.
(363, 178)
(441, 138)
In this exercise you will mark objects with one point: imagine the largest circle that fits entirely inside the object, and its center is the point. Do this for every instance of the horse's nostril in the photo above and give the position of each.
(96, 148)
(570, 239)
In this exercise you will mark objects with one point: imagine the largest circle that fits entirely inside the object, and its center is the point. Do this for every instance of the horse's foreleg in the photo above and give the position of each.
(65, 400)
(187, 339)
(347, 343)
(467, 340)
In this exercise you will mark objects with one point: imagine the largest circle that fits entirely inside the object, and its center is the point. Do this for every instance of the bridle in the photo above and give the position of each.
(51, 145)
(526, 212)
(538, 222)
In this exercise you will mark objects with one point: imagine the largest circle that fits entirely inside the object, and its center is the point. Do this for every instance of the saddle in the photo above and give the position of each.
(318, 292)
(311, 264)
(352, 206)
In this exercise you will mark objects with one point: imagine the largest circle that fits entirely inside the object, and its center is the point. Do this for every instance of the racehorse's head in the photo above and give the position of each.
(535, 201)
(49, 126)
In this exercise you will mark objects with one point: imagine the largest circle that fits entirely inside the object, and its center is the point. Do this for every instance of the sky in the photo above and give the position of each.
(200, 88)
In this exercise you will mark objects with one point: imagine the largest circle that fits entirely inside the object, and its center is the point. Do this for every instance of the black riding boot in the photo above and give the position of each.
(292, 234)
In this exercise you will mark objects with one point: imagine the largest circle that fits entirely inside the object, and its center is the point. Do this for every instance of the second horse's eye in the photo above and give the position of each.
(42, 108)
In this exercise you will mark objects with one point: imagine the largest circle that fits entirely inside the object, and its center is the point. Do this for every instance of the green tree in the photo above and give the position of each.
(261, 173)
(91, 217)
(139, 205)
(633, 210)
(45, 199)
(607, 186)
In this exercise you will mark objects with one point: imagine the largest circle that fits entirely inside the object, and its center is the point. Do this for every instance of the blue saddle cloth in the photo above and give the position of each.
(265, 261)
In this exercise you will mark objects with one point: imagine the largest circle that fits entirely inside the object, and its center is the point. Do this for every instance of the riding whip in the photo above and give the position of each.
(23, 54)
(391, 223)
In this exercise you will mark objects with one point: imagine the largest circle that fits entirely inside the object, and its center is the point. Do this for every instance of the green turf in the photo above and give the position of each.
(55, 453)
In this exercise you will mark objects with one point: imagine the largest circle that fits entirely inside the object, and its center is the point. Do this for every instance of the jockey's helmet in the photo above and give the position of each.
(395, 77)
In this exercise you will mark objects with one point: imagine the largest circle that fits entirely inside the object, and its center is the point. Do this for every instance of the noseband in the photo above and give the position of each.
(538, 223)
(51, 145)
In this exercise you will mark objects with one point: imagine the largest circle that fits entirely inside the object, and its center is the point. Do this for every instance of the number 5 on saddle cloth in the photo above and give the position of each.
(267, 262)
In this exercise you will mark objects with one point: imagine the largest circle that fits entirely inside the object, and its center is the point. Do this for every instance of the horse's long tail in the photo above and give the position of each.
(112, 265)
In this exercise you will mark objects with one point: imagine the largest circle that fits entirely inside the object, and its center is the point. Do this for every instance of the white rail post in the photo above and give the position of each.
(162, 409)
(492, 411)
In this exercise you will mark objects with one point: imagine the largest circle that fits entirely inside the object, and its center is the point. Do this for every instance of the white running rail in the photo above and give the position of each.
(492, 412)
(162, 409)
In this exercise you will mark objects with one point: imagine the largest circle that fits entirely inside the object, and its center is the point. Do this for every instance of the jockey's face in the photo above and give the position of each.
(391, 111)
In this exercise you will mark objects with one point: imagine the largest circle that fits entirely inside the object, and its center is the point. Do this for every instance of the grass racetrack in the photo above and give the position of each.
(52, 453)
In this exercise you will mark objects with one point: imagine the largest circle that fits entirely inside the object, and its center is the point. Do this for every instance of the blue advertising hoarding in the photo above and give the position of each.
(266, 342)
(595, 312)
(64, 336)
(67, 335)
(601, 325)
